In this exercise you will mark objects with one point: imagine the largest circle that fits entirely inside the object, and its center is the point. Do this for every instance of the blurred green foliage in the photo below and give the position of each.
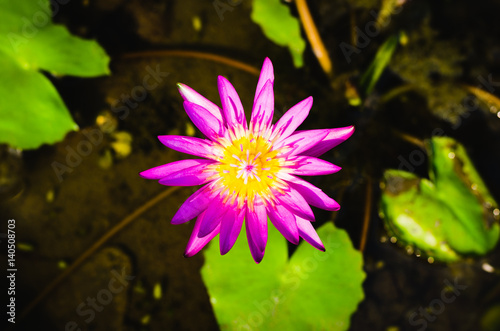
(31, 110)
(379, 63)
(433, 67)
(280, 27)
(449, 215)
(490, 321)
(312, 290)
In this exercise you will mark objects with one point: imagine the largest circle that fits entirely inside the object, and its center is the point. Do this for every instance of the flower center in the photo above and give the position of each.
(248, 167)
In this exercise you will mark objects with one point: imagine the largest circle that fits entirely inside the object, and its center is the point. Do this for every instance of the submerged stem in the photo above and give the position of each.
(92, 249)
(491, 100)
(312, 33)
(411, 139)
(198, 55)
(366, 217)
(352, 21)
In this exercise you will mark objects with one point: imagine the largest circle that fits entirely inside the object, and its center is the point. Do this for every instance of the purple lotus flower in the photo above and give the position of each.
(249, 172)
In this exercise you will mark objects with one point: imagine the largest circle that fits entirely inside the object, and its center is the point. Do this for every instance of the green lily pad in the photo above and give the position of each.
(280, 27)
(312, 290)
(68, 55)
(450, 215)
(31, 110)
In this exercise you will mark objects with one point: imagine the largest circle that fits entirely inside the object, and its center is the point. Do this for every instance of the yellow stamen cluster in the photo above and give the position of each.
(248, 167)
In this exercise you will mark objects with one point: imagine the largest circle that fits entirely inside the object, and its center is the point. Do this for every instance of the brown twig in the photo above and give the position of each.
(92, 249)
(411, 139)
(352, 21)
(488, 98)
(197, 55)
(366, 217)
(314, 38)
(396, 92)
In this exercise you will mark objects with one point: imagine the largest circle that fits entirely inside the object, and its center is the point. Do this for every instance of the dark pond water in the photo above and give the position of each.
(451, 44)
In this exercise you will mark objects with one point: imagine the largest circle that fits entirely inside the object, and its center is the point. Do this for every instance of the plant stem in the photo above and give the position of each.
(197, 55)
(92, 249)
(317, 45)
(491, 100)
(366, 217)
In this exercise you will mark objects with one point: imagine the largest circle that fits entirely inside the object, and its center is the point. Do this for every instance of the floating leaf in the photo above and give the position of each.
(56, 51)
(280, 27)
(451, 215)
(312, 290)
(31, 110)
